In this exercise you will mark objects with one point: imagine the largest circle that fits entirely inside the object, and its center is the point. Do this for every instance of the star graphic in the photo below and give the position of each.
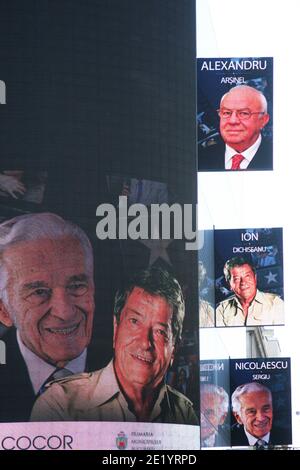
(271, 277)
(158, 249)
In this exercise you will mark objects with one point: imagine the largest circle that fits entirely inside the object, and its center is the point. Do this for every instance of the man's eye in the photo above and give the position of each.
(162, 333)
(244, 114)
(77, 289)
(38, 296)
(133, 321)
(226, 114)
(266, 408)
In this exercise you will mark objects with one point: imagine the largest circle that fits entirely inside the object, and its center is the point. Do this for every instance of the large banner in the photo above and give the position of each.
(235, 113)
(98, 285)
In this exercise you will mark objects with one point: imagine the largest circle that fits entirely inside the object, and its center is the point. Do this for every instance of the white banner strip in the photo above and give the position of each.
(98, 436)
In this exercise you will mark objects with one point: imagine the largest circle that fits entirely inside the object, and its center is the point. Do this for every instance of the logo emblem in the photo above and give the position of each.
(121, 441)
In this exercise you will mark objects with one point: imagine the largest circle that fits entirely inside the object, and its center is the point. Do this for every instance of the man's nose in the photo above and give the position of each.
(234, 118)
(61, 304)
(260, 415)
(146, 338)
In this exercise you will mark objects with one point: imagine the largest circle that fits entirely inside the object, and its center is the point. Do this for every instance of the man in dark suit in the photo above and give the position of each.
(253, 410)
(47, 302)
(243, 114)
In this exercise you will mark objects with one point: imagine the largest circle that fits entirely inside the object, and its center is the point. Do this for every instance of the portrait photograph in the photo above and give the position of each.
(249, 284)
(235, 113)
(214, 403)
(261, 402)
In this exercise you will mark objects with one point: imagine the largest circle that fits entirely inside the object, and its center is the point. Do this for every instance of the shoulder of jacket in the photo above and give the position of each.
(178, 396)
(272, 296)
(226, 301)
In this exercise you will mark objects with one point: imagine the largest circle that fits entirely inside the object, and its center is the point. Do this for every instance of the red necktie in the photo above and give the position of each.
(236, 161)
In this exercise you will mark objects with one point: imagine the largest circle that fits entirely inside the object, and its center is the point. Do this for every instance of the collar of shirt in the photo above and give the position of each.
(248, 154)
(39, 370)
(258, 298)
(108, 387)
(252, 440)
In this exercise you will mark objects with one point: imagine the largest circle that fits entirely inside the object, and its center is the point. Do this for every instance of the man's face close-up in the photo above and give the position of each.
(243, 282)
(50, 295)
(256, 413)
(238, 133)
(211, 414)
(143, 340)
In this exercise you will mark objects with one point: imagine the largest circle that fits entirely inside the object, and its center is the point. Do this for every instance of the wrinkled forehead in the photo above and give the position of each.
(255, 399)
(29, 258)
(242, 270)
(241, 99)
(150, 306)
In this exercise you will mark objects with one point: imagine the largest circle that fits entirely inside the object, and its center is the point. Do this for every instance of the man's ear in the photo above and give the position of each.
(237, 417)
(4, 315)
(264, 120)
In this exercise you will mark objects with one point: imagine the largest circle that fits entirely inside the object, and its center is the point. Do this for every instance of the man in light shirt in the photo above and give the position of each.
(47, 294)
(248, 306)
(148, 318)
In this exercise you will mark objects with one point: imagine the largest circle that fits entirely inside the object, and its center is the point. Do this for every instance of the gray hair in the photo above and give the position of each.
(156, 281)
(218, 391)
(233, 262)
(247, 388)
(32, 227)
(201, 272)
(258, 93)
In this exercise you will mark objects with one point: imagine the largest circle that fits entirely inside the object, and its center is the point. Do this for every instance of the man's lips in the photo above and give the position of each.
(143, 359)
(66, 331)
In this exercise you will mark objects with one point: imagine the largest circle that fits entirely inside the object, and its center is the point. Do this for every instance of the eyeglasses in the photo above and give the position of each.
(242, 114)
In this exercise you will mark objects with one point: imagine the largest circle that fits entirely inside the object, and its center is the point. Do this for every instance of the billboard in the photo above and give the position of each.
(235, 113)
(249, 277)
(261, 402)
(91, 288)
(215, 403)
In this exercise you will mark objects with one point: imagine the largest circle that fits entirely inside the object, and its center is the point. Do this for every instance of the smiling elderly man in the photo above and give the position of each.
(252, 407)
(248, 306)
(148, 317)
(47, 293)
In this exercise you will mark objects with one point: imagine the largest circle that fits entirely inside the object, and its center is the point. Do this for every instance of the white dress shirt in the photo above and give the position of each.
(39, 370)
(248, 155)
(252, 439)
